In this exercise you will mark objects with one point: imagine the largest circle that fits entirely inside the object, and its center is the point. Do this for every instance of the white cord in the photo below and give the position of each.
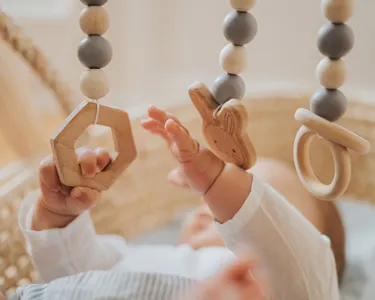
(97, 110)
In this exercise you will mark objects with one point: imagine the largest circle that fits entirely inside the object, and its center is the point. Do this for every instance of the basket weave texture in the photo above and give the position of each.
(142, 199)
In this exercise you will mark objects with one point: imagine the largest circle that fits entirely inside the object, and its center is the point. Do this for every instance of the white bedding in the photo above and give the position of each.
(359, 279)
(359, 220)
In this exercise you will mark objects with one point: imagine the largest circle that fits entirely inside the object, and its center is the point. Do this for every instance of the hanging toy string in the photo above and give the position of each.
(97, 109)
(94, 52)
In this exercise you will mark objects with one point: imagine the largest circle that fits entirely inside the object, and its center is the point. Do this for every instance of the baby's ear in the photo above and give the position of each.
(232, 116)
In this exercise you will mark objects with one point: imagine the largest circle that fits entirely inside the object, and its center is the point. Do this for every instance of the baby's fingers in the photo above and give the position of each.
(82, 199)
(49, 180)
(103, 158)
(154, 127)
(162, 116)
(178, 178)
(92, 161)
(185, 147)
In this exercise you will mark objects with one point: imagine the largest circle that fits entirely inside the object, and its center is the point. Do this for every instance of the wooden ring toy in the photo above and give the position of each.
(94, 53)
(332, 131)
(327, 105)
(224, 117)
(342, 166)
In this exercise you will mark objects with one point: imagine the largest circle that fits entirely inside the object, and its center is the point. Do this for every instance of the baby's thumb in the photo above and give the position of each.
(82, 199)
(178, 178)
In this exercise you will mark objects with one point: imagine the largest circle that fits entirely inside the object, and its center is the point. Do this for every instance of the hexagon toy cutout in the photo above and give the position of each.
(63, 145)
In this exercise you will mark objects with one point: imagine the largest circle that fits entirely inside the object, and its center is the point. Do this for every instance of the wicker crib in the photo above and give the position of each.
(130, 207)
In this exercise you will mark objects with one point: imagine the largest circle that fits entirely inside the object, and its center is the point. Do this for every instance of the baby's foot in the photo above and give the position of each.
(199, 167)
(235, 282)
(198, 230)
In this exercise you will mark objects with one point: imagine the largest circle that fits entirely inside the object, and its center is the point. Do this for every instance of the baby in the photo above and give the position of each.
(243, 214)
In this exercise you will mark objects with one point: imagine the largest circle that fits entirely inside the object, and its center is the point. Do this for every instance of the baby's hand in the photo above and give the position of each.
(199, 167)
(58, 205)
(235, 282)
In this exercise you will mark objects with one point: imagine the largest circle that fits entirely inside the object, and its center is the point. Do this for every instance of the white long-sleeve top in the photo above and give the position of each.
(298, 258)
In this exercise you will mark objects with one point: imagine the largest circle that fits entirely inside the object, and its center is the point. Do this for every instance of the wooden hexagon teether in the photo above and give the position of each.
(64, 139)
(224, 127)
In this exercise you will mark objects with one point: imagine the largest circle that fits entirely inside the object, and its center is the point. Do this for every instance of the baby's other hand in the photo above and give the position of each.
(199, 167)
(235, 282)
(58, 204)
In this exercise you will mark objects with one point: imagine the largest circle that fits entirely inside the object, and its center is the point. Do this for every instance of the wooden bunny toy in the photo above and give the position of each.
(224, 127)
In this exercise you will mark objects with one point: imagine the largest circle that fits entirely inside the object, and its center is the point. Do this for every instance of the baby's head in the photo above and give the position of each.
(198, 230)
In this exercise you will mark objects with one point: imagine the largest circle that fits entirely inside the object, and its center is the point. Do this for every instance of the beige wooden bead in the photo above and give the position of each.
(233, 59)
(337, 11)
(94, 20)
(242, 5)
(94, 84)
(331, 73)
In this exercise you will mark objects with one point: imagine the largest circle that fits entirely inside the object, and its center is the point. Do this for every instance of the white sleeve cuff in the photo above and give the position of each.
(54, 245)
(244, 215)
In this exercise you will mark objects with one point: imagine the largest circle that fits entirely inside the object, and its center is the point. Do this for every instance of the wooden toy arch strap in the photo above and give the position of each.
(340, 141)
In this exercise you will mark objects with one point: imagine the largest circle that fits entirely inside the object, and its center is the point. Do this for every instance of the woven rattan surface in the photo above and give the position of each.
(142, 199)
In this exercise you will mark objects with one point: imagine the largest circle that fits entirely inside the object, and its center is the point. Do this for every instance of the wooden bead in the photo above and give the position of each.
(227, 87)
(331, 73)
(240, 28)
(94, 84)
(95, 52)
(242, 5)
(94, 20)
(337, 11)
(94, 2)
(328, 104)
(233, 59)
(335, 40)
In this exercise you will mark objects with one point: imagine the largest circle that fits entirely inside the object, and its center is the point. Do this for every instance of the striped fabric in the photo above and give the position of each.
(95, 285)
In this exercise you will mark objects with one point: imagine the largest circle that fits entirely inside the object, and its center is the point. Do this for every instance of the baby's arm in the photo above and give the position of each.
(253, 216)
(299, 259)
(56, 223)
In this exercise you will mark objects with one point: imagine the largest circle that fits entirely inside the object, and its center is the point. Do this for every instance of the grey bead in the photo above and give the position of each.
(227, 87)
(94, 2)
(328, 104)
(95, 52)
(240, 28)
(335, 40)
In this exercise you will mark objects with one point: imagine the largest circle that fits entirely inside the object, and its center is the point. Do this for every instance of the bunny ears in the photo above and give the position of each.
(224, 127)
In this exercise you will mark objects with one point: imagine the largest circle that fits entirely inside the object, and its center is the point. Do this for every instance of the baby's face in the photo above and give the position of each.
(198, 230)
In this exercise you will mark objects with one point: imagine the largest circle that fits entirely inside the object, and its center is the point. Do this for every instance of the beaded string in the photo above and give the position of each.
(240, 28)
(335, 40)
(94, 52)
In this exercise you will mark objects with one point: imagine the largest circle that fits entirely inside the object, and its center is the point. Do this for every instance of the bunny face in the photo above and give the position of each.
(223, 144)
(224, 127)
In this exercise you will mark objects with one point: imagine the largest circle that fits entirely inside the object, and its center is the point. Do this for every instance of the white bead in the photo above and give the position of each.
(233, 59)
(242, 5)
(331, 73)
(94, 84)
(337, 11)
